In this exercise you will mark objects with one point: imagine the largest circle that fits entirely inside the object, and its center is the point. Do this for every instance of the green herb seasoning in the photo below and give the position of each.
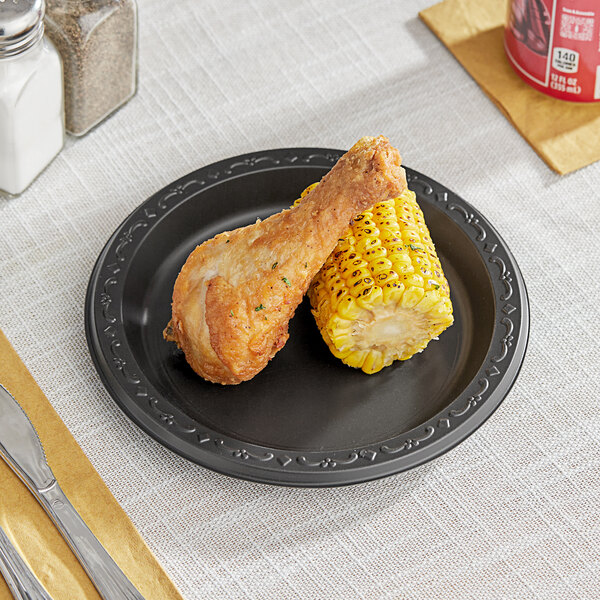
(259, 307)
(274, 265)
(286, 281)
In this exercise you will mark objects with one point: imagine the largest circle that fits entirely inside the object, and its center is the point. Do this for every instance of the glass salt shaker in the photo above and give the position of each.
(31, 95)
(97, 40)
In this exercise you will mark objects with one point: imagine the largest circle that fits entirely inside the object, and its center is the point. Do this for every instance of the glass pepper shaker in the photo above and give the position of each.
(97, 40)
(31, 95)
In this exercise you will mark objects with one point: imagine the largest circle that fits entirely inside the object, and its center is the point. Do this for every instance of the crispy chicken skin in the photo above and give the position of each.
(236, 293)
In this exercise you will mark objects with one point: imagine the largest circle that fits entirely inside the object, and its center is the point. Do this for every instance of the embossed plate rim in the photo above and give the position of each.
(136, 396)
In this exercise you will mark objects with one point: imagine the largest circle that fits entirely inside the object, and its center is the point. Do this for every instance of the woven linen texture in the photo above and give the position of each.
(512, 512)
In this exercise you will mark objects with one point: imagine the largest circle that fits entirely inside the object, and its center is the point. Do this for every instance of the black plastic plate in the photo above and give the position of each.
(307, 419)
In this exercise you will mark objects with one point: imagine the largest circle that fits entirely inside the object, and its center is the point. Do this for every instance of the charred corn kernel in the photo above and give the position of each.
(347, 308)
(381, 295)
(377, 253)
(370, 298)
(311, 187)
(381, 265)
(392, 292)
(367, 243)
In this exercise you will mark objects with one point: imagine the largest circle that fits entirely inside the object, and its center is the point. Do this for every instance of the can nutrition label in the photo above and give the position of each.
(554, 45)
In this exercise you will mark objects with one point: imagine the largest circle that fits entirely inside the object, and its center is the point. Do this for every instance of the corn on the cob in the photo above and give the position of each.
(381, 295)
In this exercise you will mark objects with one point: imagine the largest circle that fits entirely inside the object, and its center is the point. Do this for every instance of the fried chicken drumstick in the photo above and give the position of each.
(237, 292)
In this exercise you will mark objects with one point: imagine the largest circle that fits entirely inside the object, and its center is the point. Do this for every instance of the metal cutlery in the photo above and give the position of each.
(21, 448)
(23, 584)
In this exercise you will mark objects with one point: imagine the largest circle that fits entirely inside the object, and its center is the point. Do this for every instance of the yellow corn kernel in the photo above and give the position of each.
(381, 295)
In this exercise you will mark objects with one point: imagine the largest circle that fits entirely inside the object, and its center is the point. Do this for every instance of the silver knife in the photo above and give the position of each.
(23, 584)
(21, 448)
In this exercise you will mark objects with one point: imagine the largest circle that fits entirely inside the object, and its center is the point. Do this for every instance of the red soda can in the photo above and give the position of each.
(554, 45)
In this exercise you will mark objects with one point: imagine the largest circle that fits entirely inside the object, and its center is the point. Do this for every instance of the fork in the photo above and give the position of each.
(21, 581)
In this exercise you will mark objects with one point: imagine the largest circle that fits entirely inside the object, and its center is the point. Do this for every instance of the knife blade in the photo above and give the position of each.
(21, 448)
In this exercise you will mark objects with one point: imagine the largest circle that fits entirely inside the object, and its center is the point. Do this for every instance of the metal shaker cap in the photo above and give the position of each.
(21, 25)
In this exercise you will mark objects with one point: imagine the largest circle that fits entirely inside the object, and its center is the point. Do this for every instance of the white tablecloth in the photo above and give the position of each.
(513, 511)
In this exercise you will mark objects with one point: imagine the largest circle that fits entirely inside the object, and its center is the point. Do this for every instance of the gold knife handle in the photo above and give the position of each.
(107, 577)
(21, 581)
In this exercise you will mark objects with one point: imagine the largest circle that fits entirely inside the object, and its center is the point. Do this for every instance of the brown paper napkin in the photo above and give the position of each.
(565, 134)
(31, 530)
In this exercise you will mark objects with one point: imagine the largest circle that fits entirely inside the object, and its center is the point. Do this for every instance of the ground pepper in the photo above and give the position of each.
(97, 40)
